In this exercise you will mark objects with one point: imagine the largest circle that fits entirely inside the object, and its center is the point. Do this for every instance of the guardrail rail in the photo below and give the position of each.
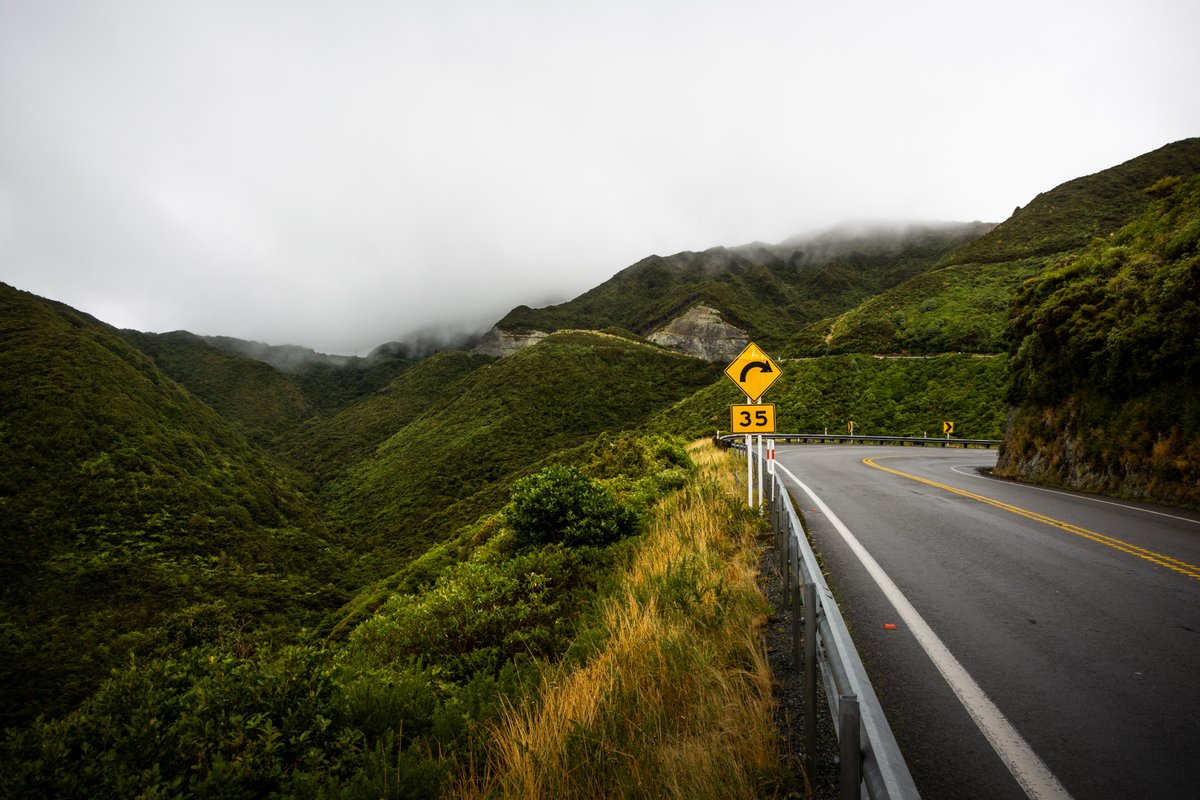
(827, 438)
(871, 763)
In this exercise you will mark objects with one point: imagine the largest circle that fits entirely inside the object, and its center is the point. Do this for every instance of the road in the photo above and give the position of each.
(1078, 619)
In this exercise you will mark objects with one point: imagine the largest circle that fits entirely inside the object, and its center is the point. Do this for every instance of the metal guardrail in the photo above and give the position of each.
(810, 438)
(871, 763)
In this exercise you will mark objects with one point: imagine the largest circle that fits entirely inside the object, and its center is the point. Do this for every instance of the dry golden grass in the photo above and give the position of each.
(676, 701)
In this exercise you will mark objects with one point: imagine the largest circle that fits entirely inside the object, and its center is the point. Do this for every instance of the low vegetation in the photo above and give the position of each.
(1105, 361)
(455, 462)
(424, 696)
(883, 396)
(671, 697)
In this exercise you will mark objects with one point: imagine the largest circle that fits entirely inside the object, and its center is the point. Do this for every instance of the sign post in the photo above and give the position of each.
(753, 372)
(760, 467)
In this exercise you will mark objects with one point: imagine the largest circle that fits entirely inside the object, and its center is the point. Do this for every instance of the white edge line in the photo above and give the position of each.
(1077, 495)
(1026, 767)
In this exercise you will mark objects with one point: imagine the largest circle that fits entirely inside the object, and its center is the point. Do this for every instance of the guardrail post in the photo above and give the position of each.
(851, 749)
(797, 625)
(810, 678)
(786, 558)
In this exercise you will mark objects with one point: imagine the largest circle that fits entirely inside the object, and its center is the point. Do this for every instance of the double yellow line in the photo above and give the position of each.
(1182, 567)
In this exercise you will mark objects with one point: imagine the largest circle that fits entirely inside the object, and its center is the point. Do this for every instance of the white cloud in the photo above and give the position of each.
(339, 174)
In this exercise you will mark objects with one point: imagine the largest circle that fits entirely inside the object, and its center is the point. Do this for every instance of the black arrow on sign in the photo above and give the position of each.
(765, 366)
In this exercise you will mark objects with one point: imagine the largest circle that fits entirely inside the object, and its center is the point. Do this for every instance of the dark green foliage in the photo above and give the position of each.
(884, 396)
(562, 505)
(211, 724)
(330, 387)
(327, 446)
(1071, 215)
(455, 462)
(481, 614)
(960, 308)
(962, 305)
(260, 401)
(329, 382)
(766, 291)
(125, 502)
(1105, 354)
(377, 717)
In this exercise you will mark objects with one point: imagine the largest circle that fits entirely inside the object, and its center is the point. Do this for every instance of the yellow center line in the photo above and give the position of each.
(1182, 567)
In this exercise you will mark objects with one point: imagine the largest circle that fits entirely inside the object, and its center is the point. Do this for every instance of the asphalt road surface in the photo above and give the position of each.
(1075, 618)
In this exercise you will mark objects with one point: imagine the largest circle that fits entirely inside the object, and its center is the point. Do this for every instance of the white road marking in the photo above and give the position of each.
(1029, 770)
(1078, 496)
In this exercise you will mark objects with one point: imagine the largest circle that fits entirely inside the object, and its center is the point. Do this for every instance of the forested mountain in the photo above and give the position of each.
(962, 304)
(765, 290)
(133, 513)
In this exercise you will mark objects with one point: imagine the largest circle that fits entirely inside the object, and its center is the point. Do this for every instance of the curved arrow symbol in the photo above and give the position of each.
(765, 366)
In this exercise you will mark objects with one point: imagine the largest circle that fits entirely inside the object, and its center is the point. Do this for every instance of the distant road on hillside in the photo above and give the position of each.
(1076, 618)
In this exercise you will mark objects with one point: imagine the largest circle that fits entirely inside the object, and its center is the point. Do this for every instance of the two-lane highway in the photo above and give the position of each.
(1070, 624)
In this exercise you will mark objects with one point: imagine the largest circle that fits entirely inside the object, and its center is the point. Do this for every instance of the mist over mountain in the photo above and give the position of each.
(765, 291)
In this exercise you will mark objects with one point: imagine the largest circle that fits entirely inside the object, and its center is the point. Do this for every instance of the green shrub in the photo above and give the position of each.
(480, 615)
(562, 505)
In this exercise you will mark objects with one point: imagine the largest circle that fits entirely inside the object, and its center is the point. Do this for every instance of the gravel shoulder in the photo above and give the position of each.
(789, 695)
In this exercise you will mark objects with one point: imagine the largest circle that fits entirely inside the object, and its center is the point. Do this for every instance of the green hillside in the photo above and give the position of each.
(329, 382)
(768, 291)
(1106, 362)
(258, 399)
(134, 516)
(328, 445)
(455, 460)
(962, 305)
(883, 396)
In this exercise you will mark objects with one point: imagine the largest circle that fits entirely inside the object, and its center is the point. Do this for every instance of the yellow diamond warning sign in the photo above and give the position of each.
(753, 371)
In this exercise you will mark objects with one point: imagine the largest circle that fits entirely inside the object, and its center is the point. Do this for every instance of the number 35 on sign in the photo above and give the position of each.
(758, 418)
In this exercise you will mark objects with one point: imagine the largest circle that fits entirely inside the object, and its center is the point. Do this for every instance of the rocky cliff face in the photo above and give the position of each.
(701, 332)
(498, 343)
(698, 332)
(1125, 456)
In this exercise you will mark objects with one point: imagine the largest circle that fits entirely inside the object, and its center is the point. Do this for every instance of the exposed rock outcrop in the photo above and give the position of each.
(701, 332)
(499, 343)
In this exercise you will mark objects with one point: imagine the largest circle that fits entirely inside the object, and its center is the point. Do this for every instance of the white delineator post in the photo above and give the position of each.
(760, 465)
(749, 466)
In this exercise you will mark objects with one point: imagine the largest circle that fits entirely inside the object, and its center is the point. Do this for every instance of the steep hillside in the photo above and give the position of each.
(883, 396)
(133, 515)
(257, 398)
(1106, 362)
(329, 382)
(326, 446)
(963, 304)
(455, 460)
(766, 291)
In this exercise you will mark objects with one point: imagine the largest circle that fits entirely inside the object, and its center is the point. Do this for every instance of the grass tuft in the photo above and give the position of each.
(676, 700)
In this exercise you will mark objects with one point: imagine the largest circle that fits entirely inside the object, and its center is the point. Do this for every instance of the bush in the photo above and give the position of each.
(561, 504)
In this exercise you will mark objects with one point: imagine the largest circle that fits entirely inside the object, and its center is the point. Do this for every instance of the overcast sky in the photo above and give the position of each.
(338, 174)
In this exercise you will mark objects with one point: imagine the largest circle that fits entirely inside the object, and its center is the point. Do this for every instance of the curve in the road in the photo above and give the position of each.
(1163, 560)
